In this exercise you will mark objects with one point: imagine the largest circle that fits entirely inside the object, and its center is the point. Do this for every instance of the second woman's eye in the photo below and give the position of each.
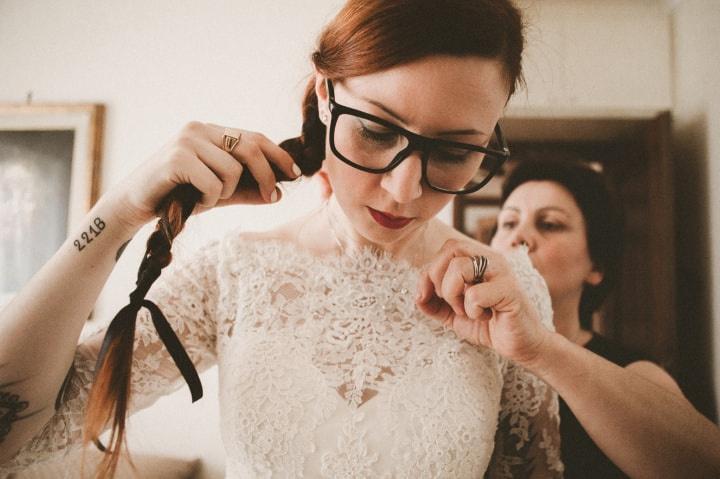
(508, 224)
(550, 226)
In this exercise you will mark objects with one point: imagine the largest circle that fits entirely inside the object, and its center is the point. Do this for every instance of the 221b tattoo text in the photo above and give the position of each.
(92, 233)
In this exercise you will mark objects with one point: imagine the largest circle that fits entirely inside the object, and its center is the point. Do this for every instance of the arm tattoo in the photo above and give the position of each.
(94, 230)
(10, 407)
(121, 250)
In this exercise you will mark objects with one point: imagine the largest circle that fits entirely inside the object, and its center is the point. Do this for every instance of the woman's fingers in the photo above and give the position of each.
(259, 167)
(246, 196)
(256, 153)
(225, 166)
(189, 170)
(429, 303)
(495, 312)
(277, 156)
(452, 271)
(197, 156)
(437, 268)
(479, 299)
(458, 275)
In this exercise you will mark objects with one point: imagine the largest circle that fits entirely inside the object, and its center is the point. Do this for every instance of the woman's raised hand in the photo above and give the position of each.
(495, 312)
(196, 156)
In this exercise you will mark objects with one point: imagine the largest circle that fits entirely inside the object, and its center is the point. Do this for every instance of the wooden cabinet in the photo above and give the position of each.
(633, 149)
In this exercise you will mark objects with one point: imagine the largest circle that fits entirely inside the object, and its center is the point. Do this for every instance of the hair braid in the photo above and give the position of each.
(110, 393)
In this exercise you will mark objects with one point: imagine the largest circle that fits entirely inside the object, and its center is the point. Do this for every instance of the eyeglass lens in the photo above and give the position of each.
(372, 145)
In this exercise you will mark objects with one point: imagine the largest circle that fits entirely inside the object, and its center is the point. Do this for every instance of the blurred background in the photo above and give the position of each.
(643, 73)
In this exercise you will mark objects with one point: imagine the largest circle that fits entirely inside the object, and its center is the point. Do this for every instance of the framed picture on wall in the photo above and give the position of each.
(49, 179)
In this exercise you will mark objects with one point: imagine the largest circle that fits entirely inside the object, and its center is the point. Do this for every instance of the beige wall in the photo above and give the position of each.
(159, 64)
(597, 53)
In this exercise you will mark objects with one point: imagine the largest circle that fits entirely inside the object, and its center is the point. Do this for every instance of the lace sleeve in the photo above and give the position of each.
(527, 441)
(187, 293)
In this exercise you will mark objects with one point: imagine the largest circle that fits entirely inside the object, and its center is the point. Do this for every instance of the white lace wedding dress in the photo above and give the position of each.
(328, 370)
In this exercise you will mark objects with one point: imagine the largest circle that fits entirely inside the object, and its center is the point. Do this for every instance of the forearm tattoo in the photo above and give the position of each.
(10, 408)
(94, 230)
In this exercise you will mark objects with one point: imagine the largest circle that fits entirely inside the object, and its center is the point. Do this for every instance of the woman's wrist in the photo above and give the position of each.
(116, 211)
(545, 356)
(104, 226)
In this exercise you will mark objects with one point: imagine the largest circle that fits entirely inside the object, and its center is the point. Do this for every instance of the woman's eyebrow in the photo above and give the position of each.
(554, 208)
(460, 132)
(510, 208)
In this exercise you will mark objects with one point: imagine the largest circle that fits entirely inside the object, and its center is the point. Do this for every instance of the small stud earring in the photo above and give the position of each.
(323, 118)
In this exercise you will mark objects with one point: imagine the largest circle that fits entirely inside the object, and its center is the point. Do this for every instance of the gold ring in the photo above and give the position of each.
(230, 139)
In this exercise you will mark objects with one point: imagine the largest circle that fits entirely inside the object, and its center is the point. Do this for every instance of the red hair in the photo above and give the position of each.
(368, 36)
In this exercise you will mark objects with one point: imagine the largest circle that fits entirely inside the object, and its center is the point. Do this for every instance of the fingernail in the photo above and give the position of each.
(274, 196)
(296, 170)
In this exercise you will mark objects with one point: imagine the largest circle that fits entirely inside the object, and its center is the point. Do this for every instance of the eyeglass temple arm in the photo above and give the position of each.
(501, 139)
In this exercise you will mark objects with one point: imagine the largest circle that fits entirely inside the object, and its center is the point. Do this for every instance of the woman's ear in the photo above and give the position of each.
(321, 87)
(321, 92)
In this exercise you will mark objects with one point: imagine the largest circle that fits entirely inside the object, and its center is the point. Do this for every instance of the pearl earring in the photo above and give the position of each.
(323, 117)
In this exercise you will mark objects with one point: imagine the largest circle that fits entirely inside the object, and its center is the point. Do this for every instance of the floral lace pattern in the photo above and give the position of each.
(327, 369)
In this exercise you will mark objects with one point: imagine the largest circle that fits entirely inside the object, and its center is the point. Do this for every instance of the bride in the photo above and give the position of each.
(367, 339)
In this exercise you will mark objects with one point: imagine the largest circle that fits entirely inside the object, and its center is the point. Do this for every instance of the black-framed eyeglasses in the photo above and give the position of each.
(375, 145)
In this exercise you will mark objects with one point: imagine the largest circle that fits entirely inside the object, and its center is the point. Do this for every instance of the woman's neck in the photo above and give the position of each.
(566, 317)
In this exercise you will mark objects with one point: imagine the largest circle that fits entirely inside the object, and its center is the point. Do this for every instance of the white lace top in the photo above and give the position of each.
(328, 370)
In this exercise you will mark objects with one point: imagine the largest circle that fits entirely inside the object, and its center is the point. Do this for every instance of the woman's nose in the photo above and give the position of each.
(523, 237)
(404, 182)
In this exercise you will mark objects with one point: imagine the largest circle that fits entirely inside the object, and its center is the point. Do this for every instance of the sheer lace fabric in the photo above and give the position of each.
(328, 370)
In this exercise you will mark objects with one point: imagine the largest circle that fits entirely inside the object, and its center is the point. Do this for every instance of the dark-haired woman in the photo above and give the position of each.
(616, 406)
(328, 367)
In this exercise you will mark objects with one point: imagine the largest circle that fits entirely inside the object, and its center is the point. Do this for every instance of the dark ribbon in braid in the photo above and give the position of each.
(157, 256)
(148, 272)
(121, 331)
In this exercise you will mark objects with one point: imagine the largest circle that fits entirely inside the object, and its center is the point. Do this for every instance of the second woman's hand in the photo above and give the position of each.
(196, 156)
(495, 313)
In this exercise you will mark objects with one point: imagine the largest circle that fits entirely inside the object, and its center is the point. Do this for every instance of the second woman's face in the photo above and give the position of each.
(544, 216)
(459, 99)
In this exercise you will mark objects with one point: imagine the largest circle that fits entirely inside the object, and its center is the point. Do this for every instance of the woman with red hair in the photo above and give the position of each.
(328, 367)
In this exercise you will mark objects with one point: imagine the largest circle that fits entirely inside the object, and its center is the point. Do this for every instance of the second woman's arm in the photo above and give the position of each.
(635, 415)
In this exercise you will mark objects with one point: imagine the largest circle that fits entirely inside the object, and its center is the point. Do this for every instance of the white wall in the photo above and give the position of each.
(159, 64)
(597, 54)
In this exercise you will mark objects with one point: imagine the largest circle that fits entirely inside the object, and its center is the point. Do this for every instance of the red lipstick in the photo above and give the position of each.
(388, 220)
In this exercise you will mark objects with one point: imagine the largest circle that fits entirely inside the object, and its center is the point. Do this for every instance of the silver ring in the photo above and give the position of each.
(479, 266)
(230, 139)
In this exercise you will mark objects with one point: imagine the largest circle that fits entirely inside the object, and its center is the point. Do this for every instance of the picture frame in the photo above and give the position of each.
(50, 156)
